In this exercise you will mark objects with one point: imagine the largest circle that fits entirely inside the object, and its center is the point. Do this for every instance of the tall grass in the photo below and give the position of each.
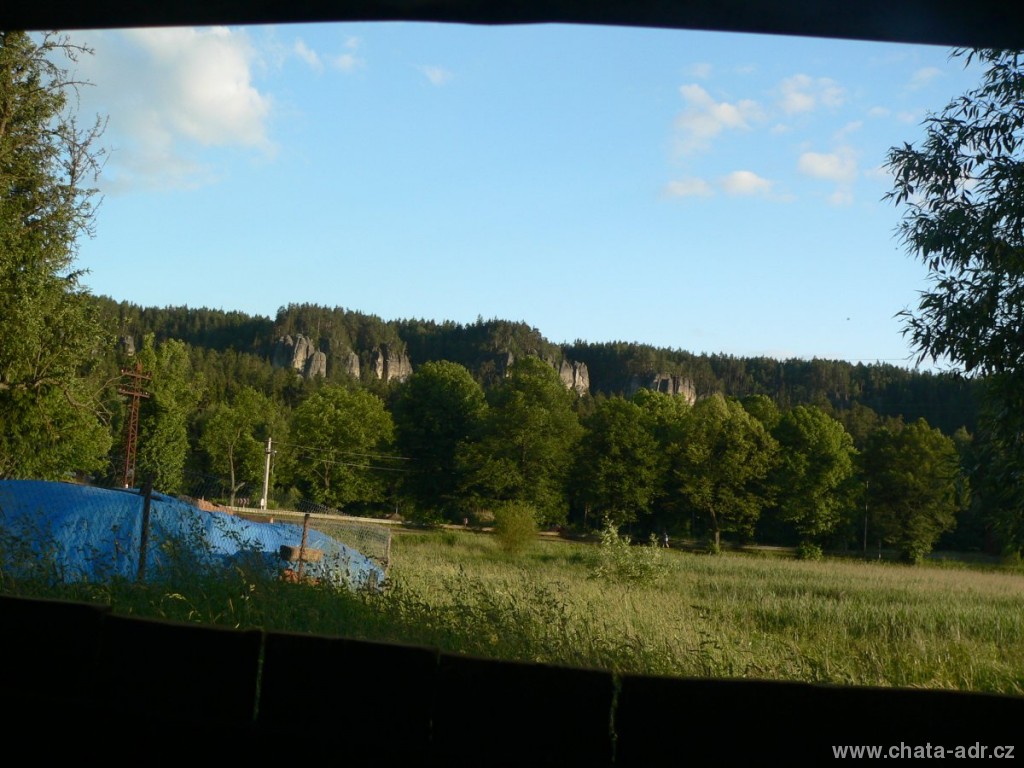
(842, 622)
(834, 621)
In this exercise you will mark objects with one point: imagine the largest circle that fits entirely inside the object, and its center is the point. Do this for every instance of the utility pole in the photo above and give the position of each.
(867, 486)
(266, 474)
(134, 390)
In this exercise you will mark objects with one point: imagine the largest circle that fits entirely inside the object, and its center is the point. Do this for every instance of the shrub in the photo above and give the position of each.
(425, 517)
(621, 560)
(809, 551)
(515, 525)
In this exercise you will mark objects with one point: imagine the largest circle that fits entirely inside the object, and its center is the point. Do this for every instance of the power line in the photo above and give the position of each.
(361, 466)
(346, 453)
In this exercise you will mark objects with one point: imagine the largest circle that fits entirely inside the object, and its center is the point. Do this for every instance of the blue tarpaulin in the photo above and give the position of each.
(84, 533)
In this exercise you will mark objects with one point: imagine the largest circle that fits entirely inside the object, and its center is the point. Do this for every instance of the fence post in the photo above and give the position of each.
(147, 495)
(302, 547)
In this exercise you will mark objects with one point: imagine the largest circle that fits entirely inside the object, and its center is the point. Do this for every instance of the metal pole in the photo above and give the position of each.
(266, 475)
(135, 391)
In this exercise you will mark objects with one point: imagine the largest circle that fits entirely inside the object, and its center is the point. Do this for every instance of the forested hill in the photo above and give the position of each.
(354, 343)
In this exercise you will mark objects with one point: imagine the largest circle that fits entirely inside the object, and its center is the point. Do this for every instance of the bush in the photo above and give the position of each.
(809, 551)
(621, 560)
(515, 525)
(424, 517)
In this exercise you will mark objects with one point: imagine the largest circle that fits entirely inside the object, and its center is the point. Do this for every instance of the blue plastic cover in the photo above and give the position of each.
(82, 533)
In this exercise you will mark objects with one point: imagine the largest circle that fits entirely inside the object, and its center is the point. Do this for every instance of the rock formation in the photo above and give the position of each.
(301, 355)
(575, 376)
(316, 365)
(679, 386)
(127, 345)
(350, 364)
(390, 365)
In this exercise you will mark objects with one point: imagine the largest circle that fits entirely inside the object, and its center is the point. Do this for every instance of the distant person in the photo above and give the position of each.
(664, 539)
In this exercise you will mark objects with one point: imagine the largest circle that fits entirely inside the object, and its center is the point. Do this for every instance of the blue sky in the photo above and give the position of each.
(703, 191)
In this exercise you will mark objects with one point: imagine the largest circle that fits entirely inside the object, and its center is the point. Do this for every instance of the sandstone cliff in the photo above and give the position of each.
(301, 355)
(575, 376)
(679, 386)
(390, 365)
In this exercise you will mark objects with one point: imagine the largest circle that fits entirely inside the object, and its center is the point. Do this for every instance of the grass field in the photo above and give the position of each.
(732, 615)
(835, 621)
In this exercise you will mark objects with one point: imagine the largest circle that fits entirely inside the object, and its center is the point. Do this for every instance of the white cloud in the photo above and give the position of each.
(437, 76)
(839, 166)
(169, 92)
(842, 196)
(308, 55)
(879, 172)
(735, 184)
(802, 93)
(797, 101)
(349, 61)
(704, 118)
(701, 70)
(745, 184)
(689, 187)
(878, 112)
(209, 83)
(923, 77)
(846, 130)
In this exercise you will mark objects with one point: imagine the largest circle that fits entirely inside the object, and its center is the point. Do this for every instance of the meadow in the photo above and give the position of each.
(839, 621)
(835, 621)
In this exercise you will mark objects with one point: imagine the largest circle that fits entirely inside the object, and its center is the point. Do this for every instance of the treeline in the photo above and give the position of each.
(945, 400)
(443, 446)
(485, 347)
(745, 461)
(460, 438)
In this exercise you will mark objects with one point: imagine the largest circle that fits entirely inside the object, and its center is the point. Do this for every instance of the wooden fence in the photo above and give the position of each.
(76, 680)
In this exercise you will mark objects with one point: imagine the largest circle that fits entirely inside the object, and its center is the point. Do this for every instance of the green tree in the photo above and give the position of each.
(915, 488)
(764, 409)
(526, 444)
(815, 466)
(664, 417)
(234, 436)
(343, 434)
(859, 421)
(617, 466)
(725, 456)
(973, 529)
(662, 413)
(963, 202)
(51, 419)
(175, 391)
(437, 409)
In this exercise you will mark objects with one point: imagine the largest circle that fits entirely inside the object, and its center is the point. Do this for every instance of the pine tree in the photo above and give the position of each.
(51, 422)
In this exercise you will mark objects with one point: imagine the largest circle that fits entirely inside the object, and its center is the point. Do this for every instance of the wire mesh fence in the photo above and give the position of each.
(370, 537)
